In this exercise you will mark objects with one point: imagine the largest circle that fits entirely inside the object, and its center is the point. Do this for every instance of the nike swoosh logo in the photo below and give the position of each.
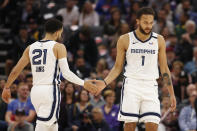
(135, 42)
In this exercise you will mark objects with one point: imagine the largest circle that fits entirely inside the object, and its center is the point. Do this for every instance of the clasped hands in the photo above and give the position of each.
(94, 86)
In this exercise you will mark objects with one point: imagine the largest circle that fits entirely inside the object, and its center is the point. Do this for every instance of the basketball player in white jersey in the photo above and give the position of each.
(143, 51)
(47, 58)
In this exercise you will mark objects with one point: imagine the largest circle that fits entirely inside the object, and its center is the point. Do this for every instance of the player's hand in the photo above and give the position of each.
(100, 85)
(6, 94)
(90, 86)
(173, 103)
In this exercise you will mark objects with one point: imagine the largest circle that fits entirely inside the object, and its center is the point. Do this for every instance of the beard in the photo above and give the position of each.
(143, 32)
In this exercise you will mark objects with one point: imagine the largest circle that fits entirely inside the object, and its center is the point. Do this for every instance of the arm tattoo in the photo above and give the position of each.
(166, 79)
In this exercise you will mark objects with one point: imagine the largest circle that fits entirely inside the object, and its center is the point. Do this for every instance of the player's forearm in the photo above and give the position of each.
(69, 75)
(113, 75)
(167, 80)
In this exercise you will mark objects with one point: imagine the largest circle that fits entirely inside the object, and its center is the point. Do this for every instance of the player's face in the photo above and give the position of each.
(145, 24)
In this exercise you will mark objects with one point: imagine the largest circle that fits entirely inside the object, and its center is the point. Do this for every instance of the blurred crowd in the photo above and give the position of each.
(91, 31)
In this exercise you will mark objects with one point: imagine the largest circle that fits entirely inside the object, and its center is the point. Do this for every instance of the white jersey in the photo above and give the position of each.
(142, 57)
(44, 64)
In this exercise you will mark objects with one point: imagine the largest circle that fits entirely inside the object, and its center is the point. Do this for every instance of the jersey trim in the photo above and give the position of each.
(141, 40)
(44, 40)
(54, 98)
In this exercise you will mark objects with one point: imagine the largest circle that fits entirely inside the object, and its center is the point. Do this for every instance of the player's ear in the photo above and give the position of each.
(137, 21)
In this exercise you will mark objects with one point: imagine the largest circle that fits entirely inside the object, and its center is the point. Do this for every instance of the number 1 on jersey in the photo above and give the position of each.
(143, 59)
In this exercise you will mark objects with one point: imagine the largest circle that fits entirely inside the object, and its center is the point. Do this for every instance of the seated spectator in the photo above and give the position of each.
(191, 66)
(176, 74)
(103, 6)
(163, 22)
(22, 102)
(70, 14)
(3, 108)
(82, 40)
(29, 80)
(124, 28)
(81, 68)
(97, 101)
(100, 67)
(110, 111)
(114, 23)
(98, 121)
(69, 115)
(187, 117)
(180, 28)
(21, 124)
(21, 42)
(88, 16)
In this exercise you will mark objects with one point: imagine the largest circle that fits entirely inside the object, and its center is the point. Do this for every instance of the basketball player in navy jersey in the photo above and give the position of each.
(47, 58)
(142, 50)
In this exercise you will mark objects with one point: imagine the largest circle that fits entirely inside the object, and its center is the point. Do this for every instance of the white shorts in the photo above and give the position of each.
(139, 101)
(46, 100)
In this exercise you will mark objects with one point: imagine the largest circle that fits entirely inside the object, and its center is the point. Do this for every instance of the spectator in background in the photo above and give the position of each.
(191, 66)
(81, 68)
(21, 41)
(70, 14)
(177, 69)
(88, 16)
(163, 22)
(3, 108)
(100, 67)
(21, 124)
(170, 56)
(34, 30)
(97, 101)
(157, 5)
(169, 13)
(98, 120)
(110, 111)
(112, 57)
(23, 102)
(69, 115)
(180, 28)
(183, 7)
(114, 23)
(190, 31)
(29, 80)
(187, 117)
(184, 49)
(82, 40)
(103, 7)
(131, 18)
(124, 28)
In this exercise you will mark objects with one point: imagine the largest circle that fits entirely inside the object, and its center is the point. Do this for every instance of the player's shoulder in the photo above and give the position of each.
(124, 37)
(59, 45)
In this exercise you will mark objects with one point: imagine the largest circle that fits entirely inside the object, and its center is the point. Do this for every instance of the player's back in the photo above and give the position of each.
(142, 57)
(44, 64)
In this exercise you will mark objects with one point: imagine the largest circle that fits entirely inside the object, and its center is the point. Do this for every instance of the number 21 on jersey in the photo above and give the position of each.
(39, 57)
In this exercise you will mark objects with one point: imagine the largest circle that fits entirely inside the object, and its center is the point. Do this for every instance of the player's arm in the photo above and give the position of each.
(24, 60)
(122, 46)
(165, 70)
(61, 54)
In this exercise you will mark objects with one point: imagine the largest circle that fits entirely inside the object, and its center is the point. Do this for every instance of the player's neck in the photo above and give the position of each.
(49, 37)
(142, 36)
